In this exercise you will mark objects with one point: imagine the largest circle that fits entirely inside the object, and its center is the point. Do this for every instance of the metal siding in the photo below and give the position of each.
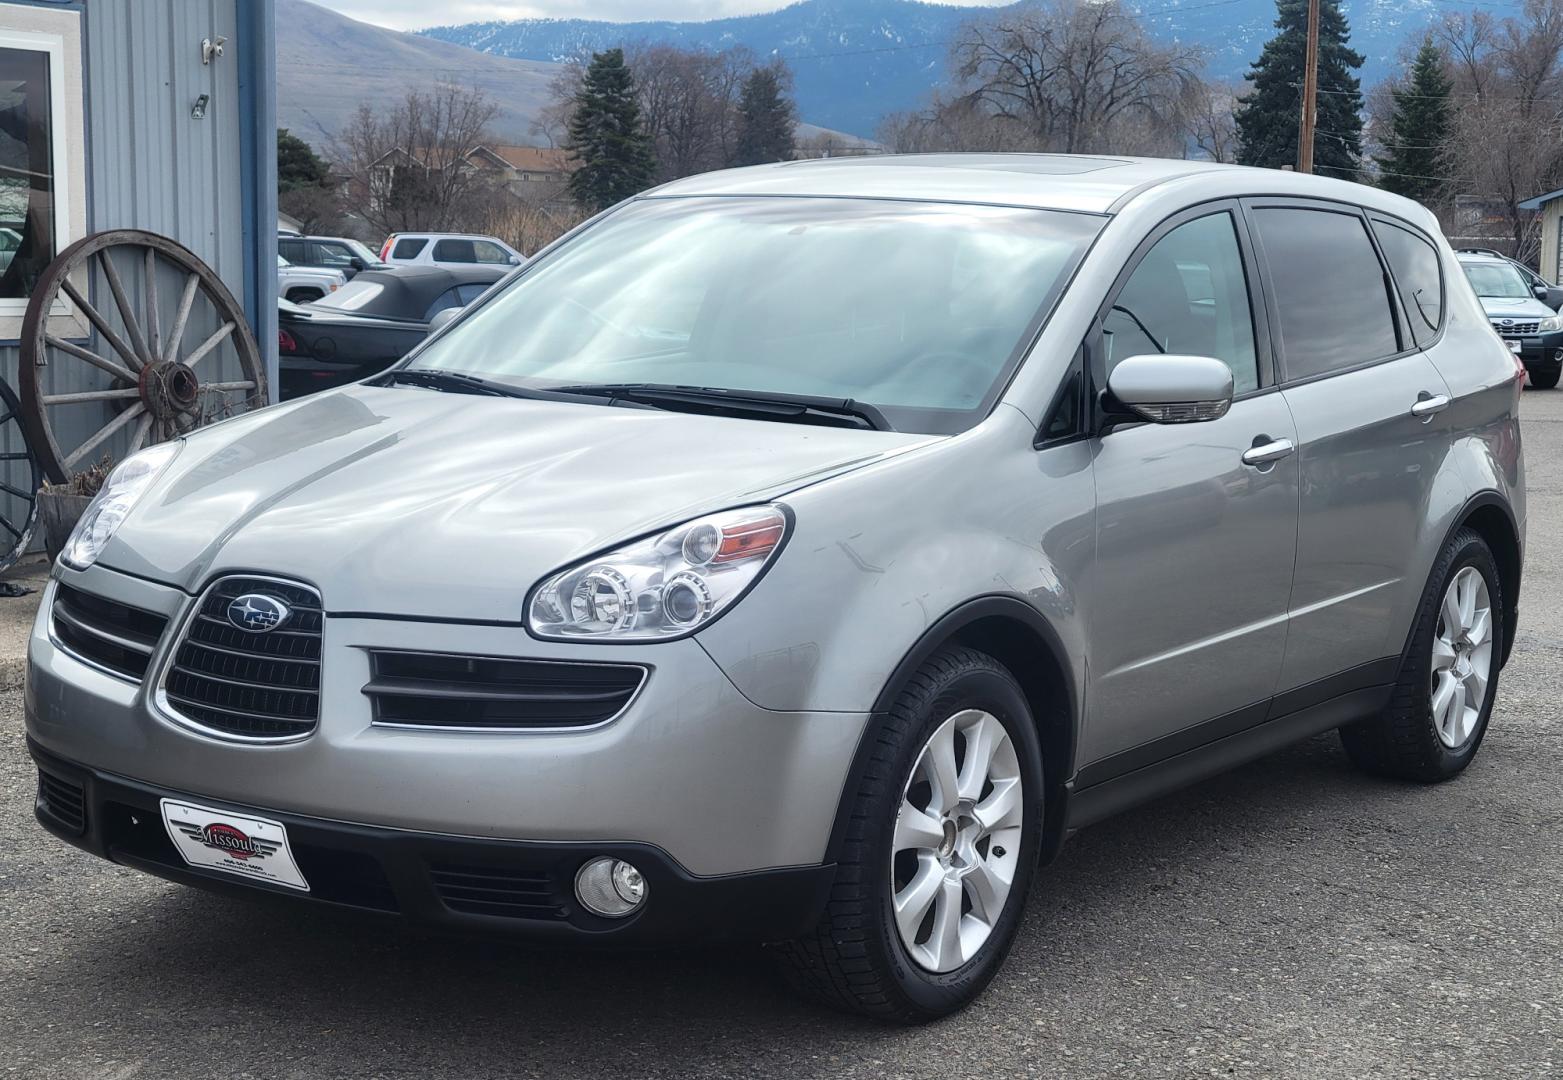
(150, 166)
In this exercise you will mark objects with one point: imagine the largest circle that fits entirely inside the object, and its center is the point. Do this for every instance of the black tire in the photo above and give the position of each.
(303, 296)
(855, 959)
(1403, 741)
(1545, 378)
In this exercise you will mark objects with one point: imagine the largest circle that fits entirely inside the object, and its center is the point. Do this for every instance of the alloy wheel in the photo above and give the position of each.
(1462, 658)
(957, 840)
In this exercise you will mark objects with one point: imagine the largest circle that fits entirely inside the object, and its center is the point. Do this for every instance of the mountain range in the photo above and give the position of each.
(854, 61)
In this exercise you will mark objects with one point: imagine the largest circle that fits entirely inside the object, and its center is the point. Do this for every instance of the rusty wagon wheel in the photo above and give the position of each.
(20, 476)
(132, 383)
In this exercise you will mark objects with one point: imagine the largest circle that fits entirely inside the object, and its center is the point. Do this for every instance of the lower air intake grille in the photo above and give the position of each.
(105, 632)
(507, 893)
(261, 684)
(490, 694)
(62, 801)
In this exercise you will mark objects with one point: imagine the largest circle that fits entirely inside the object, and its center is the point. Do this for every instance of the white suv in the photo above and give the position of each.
(448, 250)
(302, 284)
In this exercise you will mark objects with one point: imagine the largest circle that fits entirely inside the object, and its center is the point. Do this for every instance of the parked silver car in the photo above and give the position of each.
(800, 554)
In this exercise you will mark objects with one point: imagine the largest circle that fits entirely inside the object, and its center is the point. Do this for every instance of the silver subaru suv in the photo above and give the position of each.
(799, 554)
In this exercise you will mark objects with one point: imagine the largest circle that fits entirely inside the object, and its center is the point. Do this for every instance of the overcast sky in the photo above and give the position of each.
(414, 14)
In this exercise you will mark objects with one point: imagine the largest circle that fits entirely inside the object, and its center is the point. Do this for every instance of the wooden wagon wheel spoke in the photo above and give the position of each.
(102, 363)
(127, 314)
(126, 386)
(176, 335)
(96, 318)
(20, 475)
(104, 432)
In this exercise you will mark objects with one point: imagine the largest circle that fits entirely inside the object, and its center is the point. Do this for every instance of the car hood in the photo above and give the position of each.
(1527, 308)
(405, 501)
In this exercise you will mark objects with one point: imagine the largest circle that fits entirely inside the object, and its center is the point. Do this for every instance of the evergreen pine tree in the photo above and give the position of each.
(765, 119)
(1268, 118)
(1420, 128)
(297, 165)
(606, 136)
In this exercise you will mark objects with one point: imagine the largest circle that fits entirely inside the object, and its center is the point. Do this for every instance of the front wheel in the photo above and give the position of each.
(1449, 676)
(1545, 378)
(940, 848)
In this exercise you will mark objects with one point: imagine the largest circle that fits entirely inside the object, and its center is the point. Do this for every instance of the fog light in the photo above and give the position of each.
(611, 888)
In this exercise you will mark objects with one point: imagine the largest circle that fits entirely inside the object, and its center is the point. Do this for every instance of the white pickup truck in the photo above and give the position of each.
(301, 284)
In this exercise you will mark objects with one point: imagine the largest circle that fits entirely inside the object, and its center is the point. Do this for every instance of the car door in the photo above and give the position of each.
(1196, 522)
(1371, 433)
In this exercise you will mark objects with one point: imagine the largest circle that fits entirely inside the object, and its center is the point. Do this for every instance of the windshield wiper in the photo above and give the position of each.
(761, 404)
(456, 382)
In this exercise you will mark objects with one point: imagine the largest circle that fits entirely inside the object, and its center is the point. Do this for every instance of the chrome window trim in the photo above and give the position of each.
(629, 703)
(159, 696)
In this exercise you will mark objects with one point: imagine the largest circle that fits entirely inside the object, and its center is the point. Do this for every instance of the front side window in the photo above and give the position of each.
(1188, 296)
(486, 251)
(1330, 290)
(1414, 263)
(920, 309)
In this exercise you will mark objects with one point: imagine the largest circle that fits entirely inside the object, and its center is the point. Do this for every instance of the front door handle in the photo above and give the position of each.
(1265, 453)
(1428, 404)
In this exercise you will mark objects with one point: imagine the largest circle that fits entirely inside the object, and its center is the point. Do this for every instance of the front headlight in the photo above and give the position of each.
(1554, 323)
(113, 503)
(664, 586)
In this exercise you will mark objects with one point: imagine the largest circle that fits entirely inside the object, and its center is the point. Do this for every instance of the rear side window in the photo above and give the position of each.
(292, 250)
(1330, 290)
(408, 247)
(1414, 262)
(456, 251)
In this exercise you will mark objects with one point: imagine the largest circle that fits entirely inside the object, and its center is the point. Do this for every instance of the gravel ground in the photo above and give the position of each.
(1291, 919)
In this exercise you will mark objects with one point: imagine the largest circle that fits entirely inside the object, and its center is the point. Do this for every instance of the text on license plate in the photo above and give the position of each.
(237, 844)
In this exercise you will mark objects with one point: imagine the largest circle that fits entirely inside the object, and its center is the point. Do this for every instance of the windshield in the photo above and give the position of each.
(920, 309)
(1497, 280)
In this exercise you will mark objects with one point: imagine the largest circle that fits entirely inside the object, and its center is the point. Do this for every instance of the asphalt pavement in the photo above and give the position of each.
(1290, 919)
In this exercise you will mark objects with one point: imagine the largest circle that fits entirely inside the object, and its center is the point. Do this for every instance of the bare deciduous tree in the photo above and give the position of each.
(407, 167)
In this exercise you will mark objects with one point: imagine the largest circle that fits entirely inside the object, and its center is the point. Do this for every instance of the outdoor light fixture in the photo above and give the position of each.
(198, 110)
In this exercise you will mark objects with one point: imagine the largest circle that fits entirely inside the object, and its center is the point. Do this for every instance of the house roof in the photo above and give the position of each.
(1541, 200)
(526, 158)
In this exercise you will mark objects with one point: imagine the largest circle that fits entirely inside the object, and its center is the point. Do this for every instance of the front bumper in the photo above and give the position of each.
(691, 768)
(1537, 350)
(469, 884)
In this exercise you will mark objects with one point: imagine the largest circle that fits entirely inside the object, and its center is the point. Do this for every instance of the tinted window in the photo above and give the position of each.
(458, 251)
(333, 255)
(465, 294)
(1188, 295)
(1329, 290)
(447, 299)
(1414, 262)
(408, 248)
(292, 250)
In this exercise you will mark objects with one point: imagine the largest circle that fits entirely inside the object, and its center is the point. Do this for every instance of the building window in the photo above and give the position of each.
(42, 173)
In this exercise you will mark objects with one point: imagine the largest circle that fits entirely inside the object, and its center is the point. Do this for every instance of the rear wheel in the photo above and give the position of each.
(1449, 677)
(1545, 378)
(940, 848)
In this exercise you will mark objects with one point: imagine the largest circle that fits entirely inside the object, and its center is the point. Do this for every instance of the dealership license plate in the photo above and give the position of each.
(237, 844)
(1514, 346)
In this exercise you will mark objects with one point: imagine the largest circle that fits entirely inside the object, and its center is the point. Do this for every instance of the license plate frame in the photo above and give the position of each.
(239, 845)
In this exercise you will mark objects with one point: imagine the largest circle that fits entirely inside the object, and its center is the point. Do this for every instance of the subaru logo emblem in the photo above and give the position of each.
(257, 613)
(1508, 322)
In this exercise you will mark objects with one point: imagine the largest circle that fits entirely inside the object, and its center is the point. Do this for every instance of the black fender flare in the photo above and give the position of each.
(943, 630)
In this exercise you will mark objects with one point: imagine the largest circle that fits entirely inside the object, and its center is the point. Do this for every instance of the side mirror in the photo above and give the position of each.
(443, 318)
(356, 263)
(1540, 291)
(513, 261)
(1170, 389)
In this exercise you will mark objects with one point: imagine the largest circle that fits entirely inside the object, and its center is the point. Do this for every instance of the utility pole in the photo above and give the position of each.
(1310, 92)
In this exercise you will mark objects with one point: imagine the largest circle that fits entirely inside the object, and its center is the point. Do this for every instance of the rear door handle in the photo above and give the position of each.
(1265, 453)
(1428, 404)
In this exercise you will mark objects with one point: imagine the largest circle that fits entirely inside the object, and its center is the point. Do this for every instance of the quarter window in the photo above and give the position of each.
(1330, 290)
(1414, 262)
(455, 251)
(1189, 295)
